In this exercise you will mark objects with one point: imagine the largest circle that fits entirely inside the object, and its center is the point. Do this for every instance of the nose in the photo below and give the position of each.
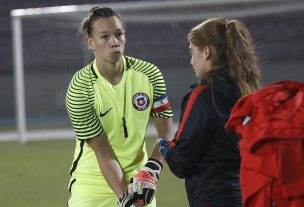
(114, 41)
(191, 61)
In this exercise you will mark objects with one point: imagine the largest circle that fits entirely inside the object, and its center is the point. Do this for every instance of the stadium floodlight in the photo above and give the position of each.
(47, 51)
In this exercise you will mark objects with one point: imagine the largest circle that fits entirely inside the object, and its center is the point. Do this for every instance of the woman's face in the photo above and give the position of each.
(108, 39)
(199, 60)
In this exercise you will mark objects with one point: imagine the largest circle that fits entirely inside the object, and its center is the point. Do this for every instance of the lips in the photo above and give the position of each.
(117, 49)
(115, 53)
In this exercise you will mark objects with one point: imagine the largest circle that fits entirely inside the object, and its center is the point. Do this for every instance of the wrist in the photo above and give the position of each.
(154, 164)
(122, 191)
(165, 145)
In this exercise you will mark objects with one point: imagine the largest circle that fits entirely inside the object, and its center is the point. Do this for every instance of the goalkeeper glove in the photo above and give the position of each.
(129, 198)
(165, 145)
(145, 181)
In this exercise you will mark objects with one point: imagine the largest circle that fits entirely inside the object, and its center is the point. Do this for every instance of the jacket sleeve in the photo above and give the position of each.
(192, 136)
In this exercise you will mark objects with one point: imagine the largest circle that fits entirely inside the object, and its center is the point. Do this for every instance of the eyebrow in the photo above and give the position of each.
(118, 30)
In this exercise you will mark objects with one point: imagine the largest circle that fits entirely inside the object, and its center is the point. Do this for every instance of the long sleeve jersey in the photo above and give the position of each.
(205, 154)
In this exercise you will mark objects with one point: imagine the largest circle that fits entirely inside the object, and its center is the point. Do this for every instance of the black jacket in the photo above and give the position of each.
(205, 154)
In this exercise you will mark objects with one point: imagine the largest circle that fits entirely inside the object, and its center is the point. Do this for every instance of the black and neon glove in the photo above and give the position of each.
(145, 181)
(129, 197)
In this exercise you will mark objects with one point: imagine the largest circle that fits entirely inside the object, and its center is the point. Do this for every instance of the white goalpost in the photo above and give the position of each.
(47, 51)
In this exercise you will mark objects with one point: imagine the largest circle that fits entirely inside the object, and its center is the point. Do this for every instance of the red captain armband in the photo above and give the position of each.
(161, 104)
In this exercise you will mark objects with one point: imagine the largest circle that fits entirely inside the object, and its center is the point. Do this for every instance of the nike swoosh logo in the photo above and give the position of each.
(103, 114)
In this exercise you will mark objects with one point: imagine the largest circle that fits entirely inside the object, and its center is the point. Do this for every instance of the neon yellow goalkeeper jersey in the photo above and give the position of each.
(96, 106)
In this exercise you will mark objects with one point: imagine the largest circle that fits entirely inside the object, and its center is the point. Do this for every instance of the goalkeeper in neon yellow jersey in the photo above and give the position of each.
(109, 103)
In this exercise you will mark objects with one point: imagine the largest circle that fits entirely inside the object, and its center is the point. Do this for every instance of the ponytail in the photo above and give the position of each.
(233, 50)
(241, 57)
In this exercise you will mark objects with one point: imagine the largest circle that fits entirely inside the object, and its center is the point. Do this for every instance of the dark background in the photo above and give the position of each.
(279, 40)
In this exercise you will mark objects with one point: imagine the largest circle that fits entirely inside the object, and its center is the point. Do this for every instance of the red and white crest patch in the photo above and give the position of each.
(141, 101)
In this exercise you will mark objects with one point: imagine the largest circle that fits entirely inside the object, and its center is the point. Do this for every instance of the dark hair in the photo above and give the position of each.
(96, 13)
(233, 47)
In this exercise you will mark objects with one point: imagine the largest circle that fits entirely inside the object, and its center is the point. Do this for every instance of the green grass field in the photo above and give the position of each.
(36, 175)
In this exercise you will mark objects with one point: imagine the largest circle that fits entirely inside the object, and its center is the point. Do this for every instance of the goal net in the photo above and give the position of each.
(48, 49)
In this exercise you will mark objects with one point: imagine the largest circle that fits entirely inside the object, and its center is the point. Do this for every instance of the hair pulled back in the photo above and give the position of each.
(233, 48)
(94, 14)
